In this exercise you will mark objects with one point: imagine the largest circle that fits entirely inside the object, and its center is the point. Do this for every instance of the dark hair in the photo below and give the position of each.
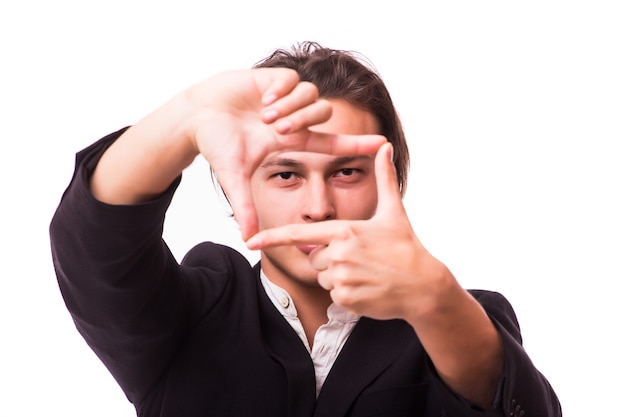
(345, 75)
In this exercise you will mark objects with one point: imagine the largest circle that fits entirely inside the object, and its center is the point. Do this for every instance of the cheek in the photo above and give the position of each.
(370, 202)
(274, 209)
(262, 204)
(359, 205)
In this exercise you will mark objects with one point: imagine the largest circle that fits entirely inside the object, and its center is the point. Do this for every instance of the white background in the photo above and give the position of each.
(516, 117)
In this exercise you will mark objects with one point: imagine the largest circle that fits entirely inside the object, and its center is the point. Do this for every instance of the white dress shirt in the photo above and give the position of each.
(329, 338)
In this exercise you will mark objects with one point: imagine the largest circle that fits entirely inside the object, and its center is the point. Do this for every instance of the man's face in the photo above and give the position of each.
(305, 187)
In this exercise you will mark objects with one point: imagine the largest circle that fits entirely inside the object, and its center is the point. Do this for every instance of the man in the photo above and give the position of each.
(346, 314)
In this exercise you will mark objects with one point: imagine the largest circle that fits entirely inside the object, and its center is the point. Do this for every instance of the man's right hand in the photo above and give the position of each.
(234, 120)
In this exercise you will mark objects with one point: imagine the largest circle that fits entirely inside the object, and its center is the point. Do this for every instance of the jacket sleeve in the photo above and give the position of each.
(126, 293)
(523, 390)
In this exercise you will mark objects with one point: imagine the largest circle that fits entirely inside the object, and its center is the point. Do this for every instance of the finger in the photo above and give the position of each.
(325, 280)
(274, 83)
(313, 114)
(354, 298)
(293, 234)
(389, 196)
(237, 190)
(318, 258)
(302, 95)
(330, 143)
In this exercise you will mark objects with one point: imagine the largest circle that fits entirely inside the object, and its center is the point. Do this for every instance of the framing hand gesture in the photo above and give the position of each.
(234, 119)
(375, 267)
(378, 268)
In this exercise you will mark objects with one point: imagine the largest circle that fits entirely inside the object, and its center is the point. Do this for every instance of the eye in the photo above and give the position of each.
(285, 175)
(286, 178)
(346, 172)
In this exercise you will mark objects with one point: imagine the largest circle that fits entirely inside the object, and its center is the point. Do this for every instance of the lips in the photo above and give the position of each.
(307, 248)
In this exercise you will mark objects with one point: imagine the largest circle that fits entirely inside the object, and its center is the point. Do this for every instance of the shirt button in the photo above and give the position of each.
(284, 301)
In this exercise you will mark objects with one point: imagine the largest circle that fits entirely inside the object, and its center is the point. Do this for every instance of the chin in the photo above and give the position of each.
(291, 265)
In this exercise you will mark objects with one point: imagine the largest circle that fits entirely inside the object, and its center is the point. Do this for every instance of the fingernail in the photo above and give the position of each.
(270, 115)
(253, 243)
(391, 153)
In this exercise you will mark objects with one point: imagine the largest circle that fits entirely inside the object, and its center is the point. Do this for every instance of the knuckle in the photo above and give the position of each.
(346, 231)
(290, 141)
(339, 256)
(342, 276)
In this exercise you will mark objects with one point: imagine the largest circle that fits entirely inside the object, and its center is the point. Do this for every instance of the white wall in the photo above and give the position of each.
(515, 112)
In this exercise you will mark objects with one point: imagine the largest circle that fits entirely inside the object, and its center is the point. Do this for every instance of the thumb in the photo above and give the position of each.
(239, 196)
(389, 197)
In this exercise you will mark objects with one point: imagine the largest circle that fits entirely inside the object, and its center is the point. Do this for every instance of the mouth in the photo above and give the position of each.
(307, 248)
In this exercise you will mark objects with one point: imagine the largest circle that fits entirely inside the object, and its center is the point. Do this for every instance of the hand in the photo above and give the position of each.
(379, 269)
(248, 114)
(375, 267)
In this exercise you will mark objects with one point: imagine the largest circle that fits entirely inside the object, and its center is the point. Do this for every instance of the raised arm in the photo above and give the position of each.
(127, 294)
(233, 119)
(378, 268)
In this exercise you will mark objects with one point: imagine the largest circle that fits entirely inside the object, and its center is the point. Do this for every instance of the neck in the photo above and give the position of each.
(312, 311)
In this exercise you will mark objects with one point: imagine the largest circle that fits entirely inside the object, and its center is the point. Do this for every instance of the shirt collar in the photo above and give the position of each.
(284, 303)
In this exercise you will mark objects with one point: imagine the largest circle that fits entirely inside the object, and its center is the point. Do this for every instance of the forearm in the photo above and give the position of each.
(117, 277)
(144, 161)
(462, 343)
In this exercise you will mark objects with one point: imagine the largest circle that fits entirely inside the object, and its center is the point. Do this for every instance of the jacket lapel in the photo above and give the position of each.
(285, 346)
(370, 349)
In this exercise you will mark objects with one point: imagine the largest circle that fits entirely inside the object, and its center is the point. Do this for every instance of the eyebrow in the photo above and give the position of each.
(282, 162)
(292, 163)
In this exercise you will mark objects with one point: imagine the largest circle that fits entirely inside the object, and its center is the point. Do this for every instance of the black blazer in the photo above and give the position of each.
(203, 339)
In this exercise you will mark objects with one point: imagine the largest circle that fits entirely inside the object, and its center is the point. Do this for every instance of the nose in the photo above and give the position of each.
(318, 202)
